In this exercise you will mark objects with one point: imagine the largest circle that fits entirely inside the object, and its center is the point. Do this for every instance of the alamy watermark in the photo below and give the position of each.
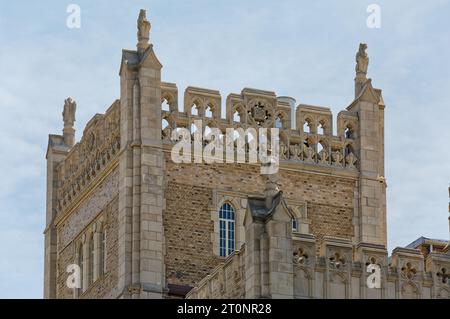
(374, 19)
(74, 278)
(374, 279)
(236, 146)
(73, 20)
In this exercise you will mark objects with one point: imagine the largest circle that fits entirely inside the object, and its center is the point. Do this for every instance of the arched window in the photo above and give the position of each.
(91, 260)
(102, 253)
(294, 224)
(307, 126)
(319, 147)
(209, 111)
(194, 109)
(226, 229)
(278, 122)
(164, 123)
(165, 105)
(321, 128)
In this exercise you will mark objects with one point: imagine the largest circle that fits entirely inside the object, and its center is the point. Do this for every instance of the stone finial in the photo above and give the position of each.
(143, 33)
(70, 107)
(362, 59)
(362, 64)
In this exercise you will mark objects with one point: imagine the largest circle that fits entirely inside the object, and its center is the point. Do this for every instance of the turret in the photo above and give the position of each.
(141, 273)
(369, 143)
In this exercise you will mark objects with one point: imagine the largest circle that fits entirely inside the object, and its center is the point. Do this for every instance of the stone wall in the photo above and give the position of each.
(88, 210)
(409, 276)
(190, 208)
(102, 204)
(106, 286)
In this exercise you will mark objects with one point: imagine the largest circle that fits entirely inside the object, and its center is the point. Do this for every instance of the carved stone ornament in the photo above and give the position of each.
(443, 275)
(300, 257)
(408, 271)
(70, 107)
(260, 113)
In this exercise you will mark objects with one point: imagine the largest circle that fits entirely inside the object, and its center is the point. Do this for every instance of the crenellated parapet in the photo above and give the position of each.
(311, 142)
(98, 147)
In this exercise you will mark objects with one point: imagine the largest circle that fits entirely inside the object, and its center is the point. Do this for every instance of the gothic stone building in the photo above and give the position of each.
(140, 225)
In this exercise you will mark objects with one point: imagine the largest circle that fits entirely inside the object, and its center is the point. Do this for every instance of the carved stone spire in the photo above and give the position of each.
(143, 33)
(70, 107)
(362, 64)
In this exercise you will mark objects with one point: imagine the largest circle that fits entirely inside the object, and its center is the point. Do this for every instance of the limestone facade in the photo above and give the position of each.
(140, 225)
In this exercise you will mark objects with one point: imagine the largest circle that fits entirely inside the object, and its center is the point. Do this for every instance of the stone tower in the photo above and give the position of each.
(124, 220)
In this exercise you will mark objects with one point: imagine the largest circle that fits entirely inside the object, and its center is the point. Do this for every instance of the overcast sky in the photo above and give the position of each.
(303, 49)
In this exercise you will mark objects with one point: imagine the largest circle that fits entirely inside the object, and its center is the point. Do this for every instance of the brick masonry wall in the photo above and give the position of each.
(188, 228)
(187, 218)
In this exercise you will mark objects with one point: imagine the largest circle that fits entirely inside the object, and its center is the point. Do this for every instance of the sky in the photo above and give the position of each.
(303, 49)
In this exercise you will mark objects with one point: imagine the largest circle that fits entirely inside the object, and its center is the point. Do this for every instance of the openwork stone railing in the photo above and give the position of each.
(340, 270)
(99, 145)
(311, 142)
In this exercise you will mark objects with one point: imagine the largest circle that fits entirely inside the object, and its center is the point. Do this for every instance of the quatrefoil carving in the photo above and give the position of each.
(443, 275)
(337, 261)
(300, 256)
(409, 271)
